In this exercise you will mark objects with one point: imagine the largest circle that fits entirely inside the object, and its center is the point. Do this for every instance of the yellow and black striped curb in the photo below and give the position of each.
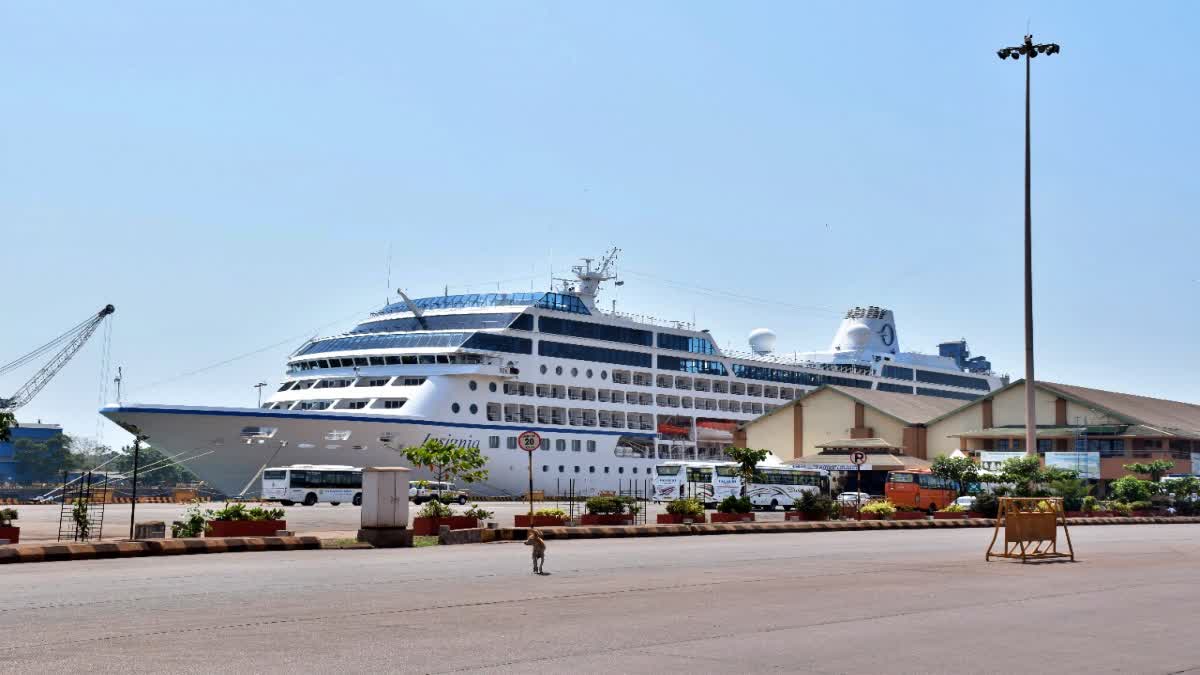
(601, 532)
(22, 553)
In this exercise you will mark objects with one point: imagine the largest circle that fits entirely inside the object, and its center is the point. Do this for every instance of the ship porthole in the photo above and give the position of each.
(454, 407)
(543, 369)
(474, 408)
(492, 385)
(472, 385)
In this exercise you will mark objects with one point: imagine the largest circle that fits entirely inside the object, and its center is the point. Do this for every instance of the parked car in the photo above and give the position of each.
(427, 490)
(852, 498)
(967, 502)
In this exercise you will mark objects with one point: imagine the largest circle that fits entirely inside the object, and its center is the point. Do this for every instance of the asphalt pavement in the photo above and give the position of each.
(840, 602)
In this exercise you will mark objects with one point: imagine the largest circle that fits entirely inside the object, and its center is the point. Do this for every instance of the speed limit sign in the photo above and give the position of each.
(529, 441)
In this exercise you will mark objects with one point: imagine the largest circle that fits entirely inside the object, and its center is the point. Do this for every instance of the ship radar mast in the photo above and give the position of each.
(588, 279)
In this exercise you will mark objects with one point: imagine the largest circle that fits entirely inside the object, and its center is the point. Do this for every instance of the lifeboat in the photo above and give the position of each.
(712, 430)
(672, 429)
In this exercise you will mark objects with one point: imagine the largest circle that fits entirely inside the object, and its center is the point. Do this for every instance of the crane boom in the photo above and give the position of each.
(72, 341)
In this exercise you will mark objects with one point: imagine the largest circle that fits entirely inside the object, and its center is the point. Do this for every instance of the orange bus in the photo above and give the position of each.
(919, 489)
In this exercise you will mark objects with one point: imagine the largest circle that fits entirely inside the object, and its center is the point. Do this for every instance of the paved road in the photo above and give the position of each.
(838, 602)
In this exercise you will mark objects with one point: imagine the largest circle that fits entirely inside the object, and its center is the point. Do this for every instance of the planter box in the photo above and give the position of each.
(676, 519)
(1073, 514)
(1099, 514)
(940, 515)
(798, 516)
(522, 520)
(244, 528)
(12, 534)
(732, 517)
(909, 515)
(976, 514)
(1143, 514)
(424, 527)
(867, 516)
(606, 519)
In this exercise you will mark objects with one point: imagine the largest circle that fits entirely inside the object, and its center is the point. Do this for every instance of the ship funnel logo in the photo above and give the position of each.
(887, 334)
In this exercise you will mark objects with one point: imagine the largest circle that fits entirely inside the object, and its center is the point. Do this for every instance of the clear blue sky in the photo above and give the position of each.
(231, 175)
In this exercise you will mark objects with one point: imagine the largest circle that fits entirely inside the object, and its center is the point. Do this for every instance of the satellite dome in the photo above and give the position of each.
(762, 340)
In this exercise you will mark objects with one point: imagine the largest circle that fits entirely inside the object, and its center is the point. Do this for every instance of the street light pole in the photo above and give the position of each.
(259, 387)
(137, 440)
(1029, 51)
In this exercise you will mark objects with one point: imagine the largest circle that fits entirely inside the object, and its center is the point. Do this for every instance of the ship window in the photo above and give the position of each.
(474, 409)
(493, 441)
(492, 385)
(952, 380)
(897, 372)
(472, 385)
(896, 388)
(560, 444)
(691, 365)
(403, 341)
(576, 445)
(577, 469)
(685, 343)
(599, 354)
(595, 331)
(591, 446)
(285, 386)
(512, 442)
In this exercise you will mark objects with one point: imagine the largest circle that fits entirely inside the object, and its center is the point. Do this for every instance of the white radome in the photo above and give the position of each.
(762, 340)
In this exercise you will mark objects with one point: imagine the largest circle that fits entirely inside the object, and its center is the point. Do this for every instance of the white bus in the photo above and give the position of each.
(776, 485)
(308, 484)
(710, 482)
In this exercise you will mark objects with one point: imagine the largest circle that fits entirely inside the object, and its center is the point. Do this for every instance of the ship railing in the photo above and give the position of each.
(654, 321)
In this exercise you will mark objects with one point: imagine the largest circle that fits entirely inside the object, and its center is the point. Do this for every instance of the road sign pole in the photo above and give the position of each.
(858, 492)
(530, 488)
(530, 441)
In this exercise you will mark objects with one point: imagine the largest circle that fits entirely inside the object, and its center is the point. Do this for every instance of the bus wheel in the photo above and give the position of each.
(774, 504)
(357, 501)
(462, 500)
(335, 503)
(310, 499)
(284, 502)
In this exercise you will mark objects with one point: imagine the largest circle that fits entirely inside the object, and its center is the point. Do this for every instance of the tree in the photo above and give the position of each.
(960, 470)
(1072, 491)
(747, 459)
(1156, 469)
(448, 461)
(8, 422)
(44, 461)
(1025, 473)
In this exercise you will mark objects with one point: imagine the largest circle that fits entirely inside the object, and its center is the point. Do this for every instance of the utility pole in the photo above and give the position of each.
(1029, 51)
(259, 387)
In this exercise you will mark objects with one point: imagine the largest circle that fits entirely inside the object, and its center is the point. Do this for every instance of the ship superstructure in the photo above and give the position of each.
(611, 395)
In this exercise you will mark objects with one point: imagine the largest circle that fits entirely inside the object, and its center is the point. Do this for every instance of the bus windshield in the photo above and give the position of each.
(727, 471)
(274, 475)
(667, 470)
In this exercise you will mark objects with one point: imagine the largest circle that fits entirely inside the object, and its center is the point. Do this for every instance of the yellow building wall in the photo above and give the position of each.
(938, 441)
(882, 426)
(828, 416)
(774, 432)
(1008, 408)
(1078, 414)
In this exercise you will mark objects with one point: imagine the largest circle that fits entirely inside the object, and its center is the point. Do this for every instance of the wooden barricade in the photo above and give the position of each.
(1030, 529)
(538, 496)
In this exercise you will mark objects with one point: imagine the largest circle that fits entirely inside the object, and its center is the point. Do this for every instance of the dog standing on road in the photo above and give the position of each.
(539, 550)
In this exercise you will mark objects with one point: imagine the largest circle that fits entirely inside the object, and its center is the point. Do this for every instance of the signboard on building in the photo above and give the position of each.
(1086, 463)
(833, 467)
(990, 460)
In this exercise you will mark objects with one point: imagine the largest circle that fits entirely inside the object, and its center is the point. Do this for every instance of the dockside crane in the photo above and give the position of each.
(68, 344)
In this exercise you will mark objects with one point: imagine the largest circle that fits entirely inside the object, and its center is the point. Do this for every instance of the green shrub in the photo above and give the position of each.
(7, 516)
(1121, 508)
(952, 508)
(194, 521)
(688, 506)
(239, 511)
(733, 504)
(883, 508)
(1072, 491)
(815, 504)
(606, 505)
(1130, 489)
(435, 509)
(551, 513)
(479, 513)
(1089, 504)
(1141, 506)
(987, 505)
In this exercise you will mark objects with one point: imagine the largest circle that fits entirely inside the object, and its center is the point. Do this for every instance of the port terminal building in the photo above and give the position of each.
(1093, 431)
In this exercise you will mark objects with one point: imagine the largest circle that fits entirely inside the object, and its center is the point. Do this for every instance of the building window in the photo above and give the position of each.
(493, 441)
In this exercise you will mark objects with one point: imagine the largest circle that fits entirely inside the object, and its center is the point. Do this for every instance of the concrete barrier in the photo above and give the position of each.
(22, 553)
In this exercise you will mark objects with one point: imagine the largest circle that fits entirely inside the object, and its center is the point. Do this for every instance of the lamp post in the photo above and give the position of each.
(137, 441)
(259, 387)
(1030, 52)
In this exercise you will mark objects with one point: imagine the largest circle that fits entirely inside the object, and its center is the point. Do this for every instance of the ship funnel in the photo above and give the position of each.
(867, 329)
(762, 341)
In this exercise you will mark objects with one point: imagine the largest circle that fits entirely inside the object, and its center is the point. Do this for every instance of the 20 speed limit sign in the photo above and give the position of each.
(529, 441)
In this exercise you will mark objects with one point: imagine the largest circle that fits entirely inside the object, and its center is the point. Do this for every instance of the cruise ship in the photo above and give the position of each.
(610, 394)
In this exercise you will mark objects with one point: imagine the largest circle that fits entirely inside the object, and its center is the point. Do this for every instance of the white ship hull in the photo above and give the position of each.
(224, 459)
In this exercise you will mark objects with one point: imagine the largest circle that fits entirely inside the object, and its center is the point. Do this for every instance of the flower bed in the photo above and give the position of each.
(522, 520)
(949, 515)
(732, 517)
(424, 527)
(908, 515)
(800, 516)
(12, 534)
(679, 518)
(244, 528)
